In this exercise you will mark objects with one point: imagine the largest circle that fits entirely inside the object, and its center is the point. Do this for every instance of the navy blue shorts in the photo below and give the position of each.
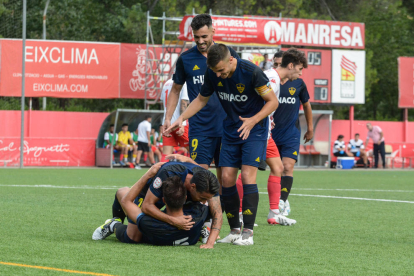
(205, 149)
(247, 153)
(289, 149)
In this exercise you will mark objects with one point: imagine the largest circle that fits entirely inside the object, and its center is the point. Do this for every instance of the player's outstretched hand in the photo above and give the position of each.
(183, 222)
(181, 131)
(308, 136)
(154, 169)
(248, 124)
(173, 127)
(207, 246)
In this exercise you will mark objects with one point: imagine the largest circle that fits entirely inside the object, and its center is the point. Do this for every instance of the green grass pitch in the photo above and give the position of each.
(51, 225)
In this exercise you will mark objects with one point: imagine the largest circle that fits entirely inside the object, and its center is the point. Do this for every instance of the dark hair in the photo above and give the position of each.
(174, 192)
(147, 117)
(266, 54)
(201, 20)
(356, 134)
(294, 56)
(111, 125)
(205, 181)
(124, 124)
(278, 54)
(340, 136)
(217, 53)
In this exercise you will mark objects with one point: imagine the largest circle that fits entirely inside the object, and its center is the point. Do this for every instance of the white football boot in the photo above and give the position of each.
(286, 210)
(230, 238)
(104, 231)
(274, 218)
(246, 238)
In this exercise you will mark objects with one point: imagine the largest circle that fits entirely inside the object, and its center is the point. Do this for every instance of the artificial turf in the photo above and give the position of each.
(49, 215)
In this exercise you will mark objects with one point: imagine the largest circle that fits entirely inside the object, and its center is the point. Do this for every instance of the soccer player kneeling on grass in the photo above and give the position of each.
(201, 186)
(246, 96)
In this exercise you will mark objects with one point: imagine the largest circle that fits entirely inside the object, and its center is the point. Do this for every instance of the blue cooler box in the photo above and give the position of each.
(345, 163)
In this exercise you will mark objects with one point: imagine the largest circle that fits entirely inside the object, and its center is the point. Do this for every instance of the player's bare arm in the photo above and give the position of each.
(217, 221)
(181, 158)
(194, 107)
(309, 122)
(271, 105)
(149, 208)
(127, 202)
(172, 102)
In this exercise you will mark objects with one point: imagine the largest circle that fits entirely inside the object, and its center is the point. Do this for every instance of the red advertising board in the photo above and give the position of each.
(48, 152)
(406, 82)
(134, 66)
(60, 69)
(273, 31)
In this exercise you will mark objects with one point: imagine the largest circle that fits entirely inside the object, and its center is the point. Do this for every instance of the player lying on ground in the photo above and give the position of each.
(201, 185)
(146, 229)
(247, 98)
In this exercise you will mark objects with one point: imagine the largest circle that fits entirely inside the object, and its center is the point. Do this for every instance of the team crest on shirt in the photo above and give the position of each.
(157, 183)
(292, 90)
(240, 87)
(193, 155)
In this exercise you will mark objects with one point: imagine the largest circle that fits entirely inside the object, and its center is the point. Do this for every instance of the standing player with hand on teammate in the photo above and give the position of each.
(286, 131)
(206, 127)
(180, 136)
(247, 97)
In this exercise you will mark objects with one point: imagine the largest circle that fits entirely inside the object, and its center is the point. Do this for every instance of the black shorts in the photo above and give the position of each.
(338, 154)
(143, 146)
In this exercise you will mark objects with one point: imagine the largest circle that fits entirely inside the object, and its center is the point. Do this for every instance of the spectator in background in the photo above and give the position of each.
(356, 147)
(339, 149)
(108, 139)
(126, 144)
(144, 140)
(265, 64)
(154, 149)
(375, 133)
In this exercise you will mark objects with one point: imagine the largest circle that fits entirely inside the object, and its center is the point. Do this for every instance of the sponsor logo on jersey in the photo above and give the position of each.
(257, 159)
(157, 183)
(292, 90)
(232, 98)
(248, 212)
(193, 155)
(196, 67)
(287, 100)
(219, 84)
(273, 80)
(240, 87)
(229, 215)
(198, 79)
(295, 153)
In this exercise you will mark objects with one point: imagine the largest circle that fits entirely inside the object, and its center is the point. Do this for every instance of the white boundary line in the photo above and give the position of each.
(350, 190)
(354, 198)
(115, 187)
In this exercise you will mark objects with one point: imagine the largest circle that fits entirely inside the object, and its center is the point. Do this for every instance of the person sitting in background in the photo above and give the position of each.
(356, 147)
(126, 144)
(339, 149)
(154, 149)
(108, 139)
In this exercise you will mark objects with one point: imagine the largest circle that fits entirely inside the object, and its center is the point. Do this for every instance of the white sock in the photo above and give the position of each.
(276, 211)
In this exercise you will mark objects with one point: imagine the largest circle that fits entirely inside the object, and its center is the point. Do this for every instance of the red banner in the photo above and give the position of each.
(134, 66)
(48, 152)
(301, 32)
(406, 82)
(60, 69)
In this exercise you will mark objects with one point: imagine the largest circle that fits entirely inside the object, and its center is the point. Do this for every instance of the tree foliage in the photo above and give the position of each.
(389, 33)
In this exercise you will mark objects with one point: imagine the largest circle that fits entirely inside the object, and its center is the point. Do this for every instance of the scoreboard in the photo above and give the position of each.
(318, 75)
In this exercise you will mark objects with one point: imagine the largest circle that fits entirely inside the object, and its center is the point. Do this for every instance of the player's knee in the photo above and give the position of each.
(121, 192)
(288, 168)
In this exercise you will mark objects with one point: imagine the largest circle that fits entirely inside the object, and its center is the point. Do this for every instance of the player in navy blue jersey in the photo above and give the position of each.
(247, 97)
(201, 184)
(206, 126)
(146, 229)
(286, 131)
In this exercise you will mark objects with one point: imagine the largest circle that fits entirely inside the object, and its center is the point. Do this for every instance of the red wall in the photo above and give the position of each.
(52, 124)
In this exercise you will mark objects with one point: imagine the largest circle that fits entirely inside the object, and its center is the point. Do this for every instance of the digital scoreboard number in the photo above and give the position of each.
(318, 75)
